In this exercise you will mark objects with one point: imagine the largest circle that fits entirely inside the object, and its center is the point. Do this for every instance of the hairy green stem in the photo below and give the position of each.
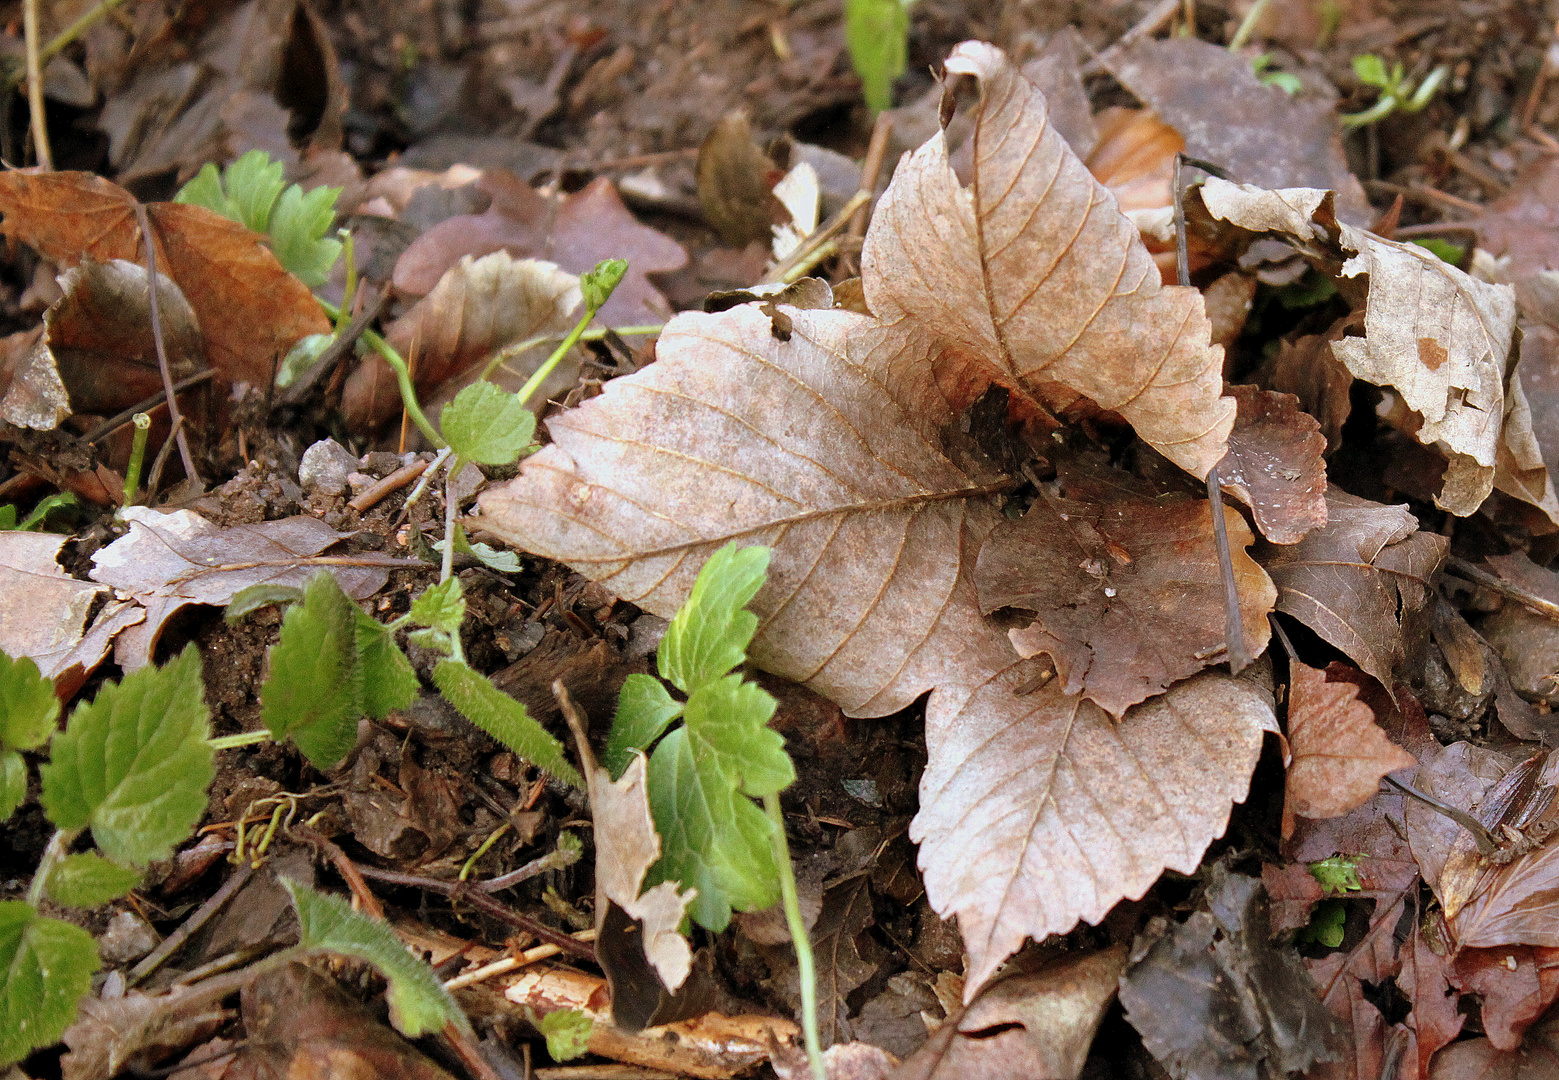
(805, 970)
(456, 463)
(534, 382)
(58, 843)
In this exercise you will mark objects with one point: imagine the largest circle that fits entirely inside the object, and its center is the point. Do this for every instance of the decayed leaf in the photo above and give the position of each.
(1037, 1024)
(1039, 810)
(1439, 338)
(479, 306)
(1274, 464)
(250, 310)
(1213, 998)
(1255, 133)
(1349, 580)
(1523, 223)
(1424, 979)
(45, 616)
(1480, 1059)
(1340, 982)
(1127, 589)
(1339, 752)
(736, 184)
(1036, 277)
(1516, 985)
(577, 231)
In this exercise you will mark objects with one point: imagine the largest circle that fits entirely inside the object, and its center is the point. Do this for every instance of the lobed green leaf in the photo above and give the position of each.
(86, 880)
(441, 606)
(709, 635)
(418, 1001)
(46, 968)
(487, 425)
(644, 711)
(505, 719)
(315, 689)
(567, 1032)
(727, 723)
(134, 764)
(28, 707)
(13, 782)
(298, 226)
(388, 681)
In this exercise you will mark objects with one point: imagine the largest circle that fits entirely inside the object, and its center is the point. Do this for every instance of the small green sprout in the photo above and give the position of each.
(1337, 875)
(1397, 91)
(877, 33)
(1285, 81)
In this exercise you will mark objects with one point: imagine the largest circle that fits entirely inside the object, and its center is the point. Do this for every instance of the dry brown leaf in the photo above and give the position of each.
(1523, 223)
(1274, 464)
(1351, 579)
(1038, 810)
(1339, 751)
(1516, 985)
(1255, 133)
(44, 614)
(575, 231)
(1306, 368)
(1036, 1024)
(250, 310)
(736, 184)
(1127, 589)
(479, 306)
(1425, 981)
(1036, 277)
(1440, 339)
(1480, 1059)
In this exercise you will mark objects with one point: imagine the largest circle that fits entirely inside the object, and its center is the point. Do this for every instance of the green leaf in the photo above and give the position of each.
(877, 34)
(1444, 250)
(727, 722)
(86, 880)
(205, 189)
(134, 764)
(298, 226)
(301, 357)
(567, 1032)
(505, 719)
(418, 1001)
(712, 838)
(252, 184)
(8, 517)
(1338, 874)
(505, 562)
(644, 711)
(37, 519)
(314, 690)
(710, 634)
(436, 640)
(28, 707)
(13, 782)
(487, 425)
(440, 606)
(1328, 924)
(389, 683)
(1371, 70)
(46, 969)
(254, 597)
(597, 285)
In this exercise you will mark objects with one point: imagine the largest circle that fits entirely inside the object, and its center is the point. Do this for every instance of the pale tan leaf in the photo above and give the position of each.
(1439, 338)
(1034, 272)
(735, 435)
(1037, 810)
(1339, 751)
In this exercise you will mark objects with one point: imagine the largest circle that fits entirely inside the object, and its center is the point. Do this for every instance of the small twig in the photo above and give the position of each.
(174, 941)
(40, 128)
(165, 451)
(1478, 575)
(1156, 18)
(1487, 845)
(119, 420)
(149, 240)
(398, 479)
(338, 348)
(512, 963)
(871, 169)
(807, 254)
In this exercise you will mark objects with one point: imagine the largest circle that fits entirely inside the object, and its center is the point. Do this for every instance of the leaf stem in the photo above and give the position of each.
(534, 382)
(143, 426)
(805, 969)
(243, 738)
(402, 378)
(40, 132)
(52, 854)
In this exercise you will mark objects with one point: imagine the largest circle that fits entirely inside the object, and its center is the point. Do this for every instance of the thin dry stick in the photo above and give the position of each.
(154, 478)
(1150, 23)
(1234, 624)
(40, 130)
(871, 169)
(113, 424)
(1476, 574)
(150, 243)
(202, 915)
(394, 482)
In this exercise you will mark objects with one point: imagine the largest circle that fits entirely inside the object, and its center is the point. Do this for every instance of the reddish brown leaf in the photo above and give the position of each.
(1339, 752)
(575, 231)
(1340, 979)
(250, 310)
(1274, 464)
(1425, 980)
(1523, 223)
(1306, 368)
(1517, 984)
(1126, 588)
(1480, 1059)
(1349, 580)
(1035, 277)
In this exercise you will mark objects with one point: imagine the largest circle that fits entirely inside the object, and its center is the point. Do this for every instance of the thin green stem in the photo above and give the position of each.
(344, 316)
(805, 969)
(143, 426)
(456, 463)
(76, 29)
(402, 378)
(52, 854)
(1248, 26)
(492, 838)
(40, 131)
(534, 382)
(508, 352)
(243, 738)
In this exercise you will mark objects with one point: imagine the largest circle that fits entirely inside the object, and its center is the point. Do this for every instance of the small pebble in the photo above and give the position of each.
(326, 466)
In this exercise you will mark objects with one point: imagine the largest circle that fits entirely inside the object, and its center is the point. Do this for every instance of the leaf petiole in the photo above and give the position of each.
(805, 969)
(402, 378)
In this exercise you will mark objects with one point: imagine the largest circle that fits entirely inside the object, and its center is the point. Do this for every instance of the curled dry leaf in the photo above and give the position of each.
(1127, 589)
(1037, 1024)
(1440, 339)
(1516, 985)
(479, 306)
(1353, 579)
(1274, 464)
(249, 309)
(1339, 751)
(1036, 277)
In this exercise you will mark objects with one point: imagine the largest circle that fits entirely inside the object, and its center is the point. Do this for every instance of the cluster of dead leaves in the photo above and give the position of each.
(834, 440)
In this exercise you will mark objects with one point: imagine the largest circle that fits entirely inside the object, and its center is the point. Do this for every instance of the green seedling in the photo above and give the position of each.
(1397, 91)
(1284, 80)
(705, 774)
(40, 513)
(877, 35)
(1337, 875)
(1327, 925)
(1443, 250)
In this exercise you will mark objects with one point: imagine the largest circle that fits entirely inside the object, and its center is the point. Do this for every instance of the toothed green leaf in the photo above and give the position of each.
(86, 880)
(46, 969)
(418, 1001)
(298, 226)
(314, 691)
(134, 764)
(644, 711)
(13, 782)
(441, 606)
(709, 635)
(389, 683)
(567, 1032)
(597, 286)
(28, 707)
(487, 425)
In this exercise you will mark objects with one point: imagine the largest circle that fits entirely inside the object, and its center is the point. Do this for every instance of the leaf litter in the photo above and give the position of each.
(1059, 706)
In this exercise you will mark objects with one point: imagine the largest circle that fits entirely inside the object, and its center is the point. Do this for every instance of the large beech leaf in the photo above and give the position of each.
(1440, 339)
(1038, 810)
(1352, 579)
(1037, 277)
(1126, 588)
